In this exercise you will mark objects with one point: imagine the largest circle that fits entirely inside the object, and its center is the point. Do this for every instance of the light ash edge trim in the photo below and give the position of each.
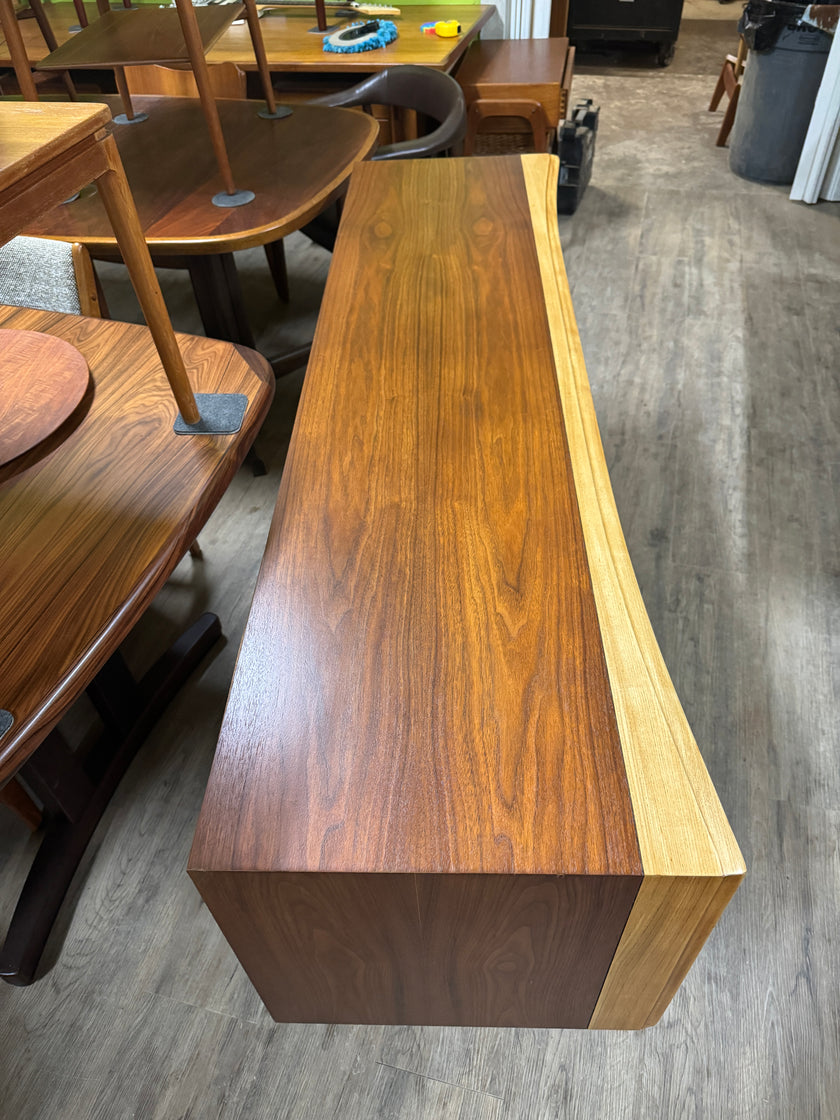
(690, 858)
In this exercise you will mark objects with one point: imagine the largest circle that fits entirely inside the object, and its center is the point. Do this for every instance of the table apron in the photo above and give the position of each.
(21, 203)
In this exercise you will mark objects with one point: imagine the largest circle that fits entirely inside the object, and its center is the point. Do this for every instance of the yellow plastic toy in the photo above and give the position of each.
(447, 28)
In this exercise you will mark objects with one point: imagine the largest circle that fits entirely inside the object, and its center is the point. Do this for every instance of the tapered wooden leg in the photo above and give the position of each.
(198, 63)
(119, 204)
(77, 790)
(17, 51)
(276, 257)
(124, 92)
(728, 119)
(217, 292)
(52, 44)
(719, 88)
(259, 54)
(79, 5)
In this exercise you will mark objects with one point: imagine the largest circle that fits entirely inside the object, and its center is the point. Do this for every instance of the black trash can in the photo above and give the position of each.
(784, 70)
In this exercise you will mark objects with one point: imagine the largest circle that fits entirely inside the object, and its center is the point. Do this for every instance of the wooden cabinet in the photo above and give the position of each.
(454, 784)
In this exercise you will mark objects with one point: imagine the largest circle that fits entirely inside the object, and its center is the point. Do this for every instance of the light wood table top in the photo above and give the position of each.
(32, 135)
(95, 518)
(295, 166)
(290, 47)
(454, 784)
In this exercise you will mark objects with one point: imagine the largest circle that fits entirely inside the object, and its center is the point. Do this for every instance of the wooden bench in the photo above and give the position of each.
(454, 783)
(510, 81)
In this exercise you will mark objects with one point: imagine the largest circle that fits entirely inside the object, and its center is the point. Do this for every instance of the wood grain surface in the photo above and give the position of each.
(30, 138)
(445, 950)
(680, 823)
(684, 837)
(145, 34)
(94, 518)
(228, 81)
(500, 69)
(435, 739)
(42, 380)
(724, 469)
(438, 700)
(295, 166)
(464, 680)
(290, 47)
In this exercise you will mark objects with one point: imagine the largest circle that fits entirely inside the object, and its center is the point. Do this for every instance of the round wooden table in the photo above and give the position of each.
(295, 166)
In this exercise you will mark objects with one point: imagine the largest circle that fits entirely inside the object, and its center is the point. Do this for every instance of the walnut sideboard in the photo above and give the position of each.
(454, 783)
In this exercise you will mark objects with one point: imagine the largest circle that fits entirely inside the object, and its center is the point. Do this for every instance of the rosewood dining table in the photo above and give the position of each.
(295, 166)
(93, 520)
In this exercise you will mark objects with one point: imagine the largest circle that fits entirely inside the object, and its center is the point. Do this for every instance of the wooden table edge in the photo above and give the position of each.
(57, 60)
(72, 136)
(368, 61)
(691, 860)
(232, 242)
(680, 822)
(25, 735)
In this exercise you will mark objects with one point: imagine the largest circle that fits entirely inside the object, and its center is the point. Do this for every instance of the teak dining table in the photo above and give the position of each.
(454, 783)
(294, 166)
(290, 46)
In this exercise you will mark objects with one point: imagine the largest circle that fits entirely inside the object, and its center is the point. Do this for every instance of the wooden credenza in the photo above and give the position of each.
(454, 783)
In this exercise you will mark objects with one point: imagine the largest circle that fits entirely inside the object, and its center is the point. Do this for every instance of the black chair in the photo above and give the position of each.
(430, 93)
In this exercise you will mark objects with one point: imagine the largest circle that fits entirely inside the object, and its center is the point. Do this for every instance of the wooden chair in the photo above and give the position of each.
(49, 276)
(26, 77)
(429, 93)
(729, 83)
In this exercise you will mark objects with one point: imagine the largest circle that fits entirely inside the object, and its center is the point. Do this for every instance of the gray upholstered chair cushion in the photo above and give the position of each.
(35, 272)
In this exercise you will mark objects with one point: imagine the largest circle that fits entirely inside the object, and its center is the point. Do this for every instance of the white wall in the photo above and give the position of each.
(520, 19)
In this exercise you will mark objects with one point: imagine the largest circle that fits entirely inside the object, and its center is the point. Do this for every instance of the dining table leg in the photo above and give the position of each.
(218, 293)
(75, 789)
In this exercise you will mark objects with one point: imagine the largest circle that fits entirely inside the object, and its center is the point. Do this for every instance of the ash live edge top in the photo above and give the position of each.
(454, 783)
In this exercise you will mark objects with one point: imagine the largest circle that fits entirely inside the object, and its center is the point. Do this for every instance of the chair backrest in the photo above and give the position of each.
(226, 80)
(430, 92)
(49, 276)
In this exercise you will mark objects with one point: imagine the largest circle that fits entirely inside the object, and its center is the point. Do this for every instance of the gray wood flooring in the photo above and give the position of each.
(708, 311)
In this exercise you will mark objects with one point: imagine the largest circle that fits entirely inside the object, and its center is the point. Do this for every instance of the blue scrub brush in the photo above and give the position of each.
(363, 36)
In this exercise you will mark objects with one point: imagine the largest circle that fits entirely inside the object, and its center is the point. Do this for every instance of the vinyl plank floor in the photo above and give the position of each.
(707, 310)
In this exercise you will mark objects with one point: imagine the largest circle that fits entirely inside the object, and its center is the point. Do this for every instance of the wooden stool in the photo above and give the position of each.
(516, 80)
(729, 83)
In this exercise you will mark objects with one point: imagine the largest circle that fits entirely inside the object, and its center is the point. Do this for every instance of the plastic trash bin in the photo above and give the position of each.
(784, 70)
